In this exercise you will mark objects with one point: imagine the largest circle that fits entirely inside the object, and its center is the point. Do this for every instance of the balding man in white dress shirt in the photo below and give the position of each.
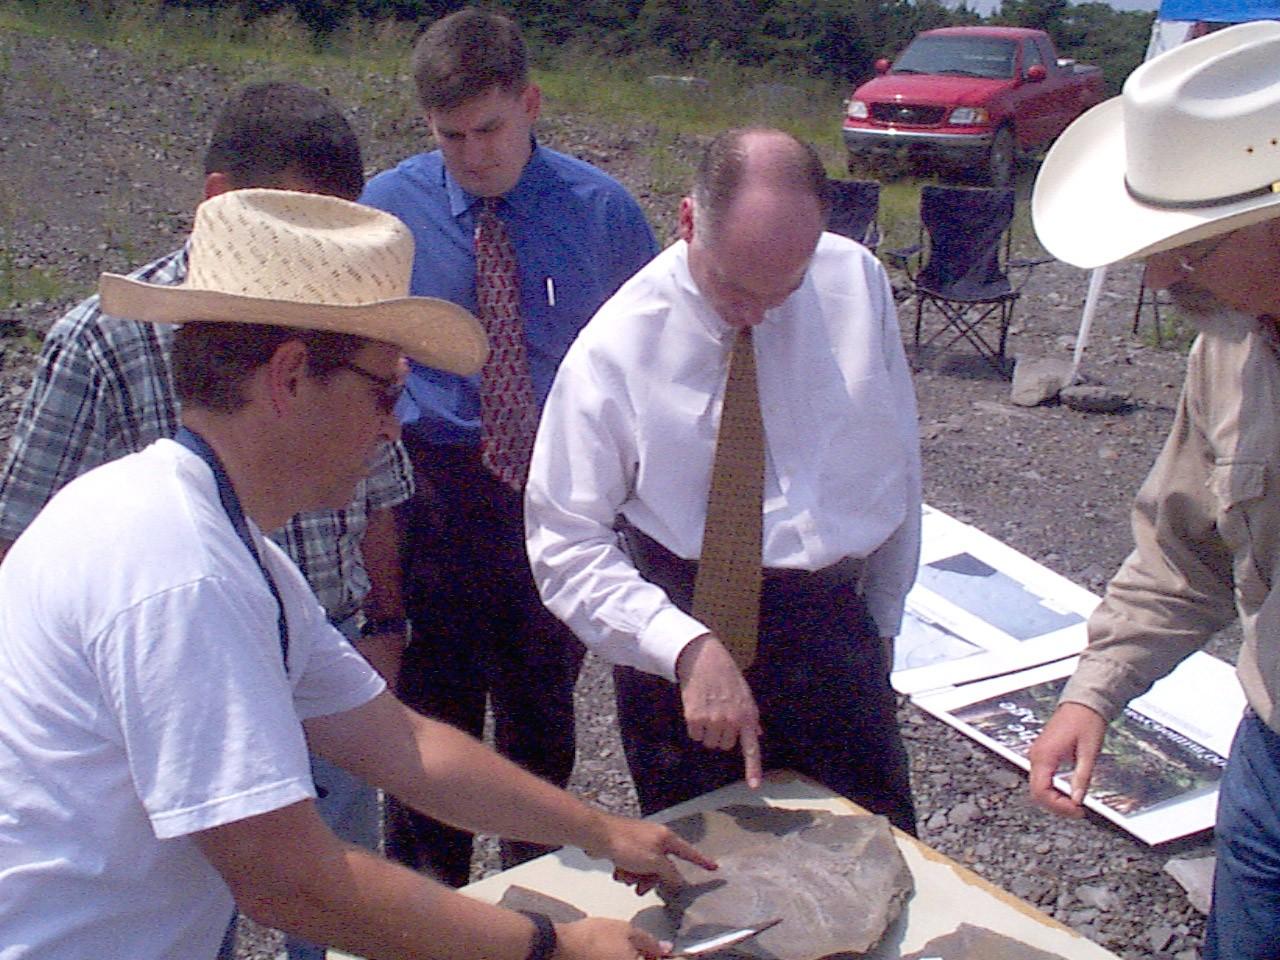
(617, 494)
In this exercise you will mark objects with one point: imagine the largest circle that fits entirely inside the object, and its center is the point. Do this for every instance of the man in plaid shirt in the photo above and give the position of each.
(103, 388)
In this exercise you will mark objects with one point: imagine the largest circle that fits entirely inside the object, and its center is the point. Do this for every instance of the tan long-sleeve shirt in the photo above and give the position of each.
(1207, 532)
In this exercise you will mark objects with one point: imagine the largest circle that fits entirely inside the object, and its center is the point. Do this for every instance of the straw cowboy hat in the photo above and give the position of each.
(1189, 150)
(310, 261)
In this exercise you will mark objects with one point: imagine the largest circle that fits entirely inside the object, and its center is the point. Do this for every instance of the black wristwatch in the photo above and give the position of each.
(376, 627)
(544, 941)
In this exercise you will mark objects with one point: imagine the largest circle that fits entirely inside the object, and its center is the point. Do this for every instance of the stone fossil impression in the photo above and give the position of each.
(837, 881)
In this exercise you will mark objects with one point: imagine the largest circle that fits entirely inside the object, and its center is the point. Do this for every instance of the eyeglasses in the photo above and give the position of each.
(389, 390)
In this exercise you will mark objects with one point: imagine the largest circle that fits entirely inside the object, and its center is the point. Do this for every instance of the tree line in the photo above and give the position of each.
(834, 40)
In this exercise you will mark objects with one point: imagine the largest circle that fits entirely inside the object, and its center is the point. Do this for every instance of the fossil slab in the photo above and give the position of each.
(522, 898)
(968, 942)
(837, 881)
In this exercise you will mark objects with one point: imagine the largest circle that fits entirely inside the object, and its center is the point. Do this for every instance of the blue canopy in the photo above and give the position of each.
(1220, 11)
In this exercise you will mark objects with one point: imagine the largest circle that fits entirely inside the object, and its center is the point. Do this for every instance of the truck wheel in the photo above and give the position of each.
(999, 171)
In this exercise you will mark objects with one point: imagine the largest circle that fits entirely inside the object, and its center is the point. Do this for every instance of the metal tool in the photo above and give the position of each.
(722, 941)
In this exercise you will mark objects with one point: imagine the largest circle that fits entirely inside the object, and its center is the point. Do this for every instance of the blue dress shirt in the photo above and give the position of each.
(578, 236)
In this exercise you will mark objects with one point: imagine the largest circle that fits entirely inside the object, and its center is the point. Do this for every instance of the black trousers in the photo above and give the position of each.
(821, 682)
(479, 629)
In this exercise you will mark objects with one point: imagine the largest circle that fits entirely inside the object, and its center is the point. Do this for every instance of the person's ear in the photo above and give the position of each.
(685, 220)
(216, 183)
(285, 373)
(531, 100)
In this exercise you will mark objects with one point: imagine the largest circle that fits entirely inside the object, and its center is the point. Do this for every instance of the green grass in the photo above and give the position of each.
(179, 35)
(1177, 333)
(728, 96)
(582, 82)
(23, 284)
(575, 81)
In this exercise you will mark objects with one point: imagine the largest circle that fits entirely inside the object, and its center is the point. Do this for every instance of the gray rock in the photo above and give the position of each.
(962, 813)
(1095, 896)
(1001, 409)
(1007, 778)
(1095, 398)
(838, 882)
(522, 898)
(1038, 379)
(968, 942)
(1194, 875)
(1160, 938)
(668, 82)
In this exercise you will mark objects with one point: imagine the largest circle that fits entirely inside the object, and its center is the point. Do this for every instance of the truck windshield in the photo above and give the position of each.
(958, 56)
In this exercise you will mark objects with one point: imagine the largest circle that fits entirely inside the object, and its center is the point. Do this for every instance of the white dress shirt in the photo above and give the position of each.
(630, 428)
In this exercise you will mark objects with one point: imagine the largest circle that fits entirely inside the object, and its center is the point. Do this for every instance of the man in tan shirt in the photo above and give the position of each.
(1183, 169)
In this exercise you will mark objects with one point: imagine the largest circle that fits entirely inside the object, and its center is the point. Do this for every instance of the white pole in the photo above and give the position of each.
(1165, 35)
(1096, 279)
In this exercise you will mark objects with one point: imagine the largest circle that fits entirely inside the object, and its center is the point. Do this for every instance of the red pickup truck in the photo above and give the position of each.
(972, 97)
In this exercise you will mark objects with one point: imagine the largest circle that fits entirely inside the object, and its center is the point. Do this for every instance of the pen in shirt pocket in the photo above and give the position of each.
(551, 292)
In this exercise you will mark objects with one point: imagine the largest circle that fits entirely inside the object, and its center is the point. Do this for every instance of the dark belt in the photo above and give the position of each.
(850, 570)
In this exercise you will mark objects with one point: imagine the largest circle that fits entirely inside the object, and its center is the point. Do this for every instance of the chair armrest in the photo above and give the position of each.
(1028, 266)
(871, 239)
(902, 257)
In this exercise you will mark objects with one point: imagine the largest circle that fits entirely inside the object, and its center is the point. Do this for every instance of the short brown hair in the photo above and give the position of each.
(463, 55)
(212, 361)
(723, 166)
(268, 130)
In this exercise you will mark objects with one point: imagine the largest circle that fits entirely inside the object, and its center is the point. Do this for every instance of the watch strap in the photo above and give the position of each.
(376, 627)
(544, 941)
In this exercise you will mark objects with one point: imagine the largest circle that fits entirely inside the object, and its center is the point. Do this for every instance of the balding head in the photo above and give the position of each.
(754, 160)
(758, 207)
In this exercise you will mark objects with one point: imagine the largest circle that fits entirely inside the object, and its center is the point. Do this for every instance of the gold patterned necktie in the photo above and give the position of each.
(726, 590)
(508, 412)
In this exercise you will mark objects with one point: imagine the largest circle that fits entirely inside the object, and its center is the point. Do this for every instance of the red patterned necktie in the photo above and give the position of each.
(726, 588)
(508, 413)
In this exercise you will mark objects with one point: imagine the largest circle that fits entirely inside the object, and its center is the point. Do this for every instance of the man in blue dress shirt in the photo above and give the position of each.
(478, 625)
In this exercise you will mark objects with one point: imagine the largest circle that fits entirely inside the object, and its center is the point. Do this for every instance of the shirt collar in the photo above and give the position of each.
(524, 198)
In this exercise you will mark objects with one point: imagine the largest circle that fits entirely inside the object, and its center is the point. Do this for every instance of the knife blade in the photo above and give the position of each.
(722, 941)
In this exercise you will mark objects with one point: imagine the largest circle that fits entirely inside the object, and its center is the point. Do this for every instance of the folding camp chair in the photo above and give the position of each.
(855, 205)
(1148, 297)
(959, 270)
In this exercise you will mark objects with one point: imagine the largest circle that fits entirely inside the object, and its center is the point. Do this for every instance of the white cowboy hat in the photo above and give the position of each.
(309, 261)
(1189, 150)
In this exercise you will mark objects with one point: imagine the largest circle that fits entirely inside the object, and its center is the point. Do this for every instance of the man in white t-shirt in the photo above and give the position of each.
(164, 669)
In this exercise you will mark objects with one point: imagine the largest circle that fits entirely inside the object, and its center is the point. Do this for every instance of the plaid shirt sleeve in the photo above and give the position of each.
(325, 544)
(390, 481)
(102, 389)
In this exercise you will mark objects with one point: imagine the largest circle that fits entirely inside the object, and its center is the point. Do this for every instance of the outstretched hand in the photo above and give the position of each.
(719, 709)
(1073, 735)
(598, 939)
(641, 853)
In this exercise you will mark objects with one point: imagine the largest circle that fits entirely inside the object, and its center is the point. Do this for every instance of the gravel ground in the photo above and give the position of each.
(99, 155)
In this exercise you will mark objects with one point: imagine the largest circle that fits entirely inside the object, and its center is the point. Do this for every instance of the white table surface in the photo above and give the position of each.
(946, 893)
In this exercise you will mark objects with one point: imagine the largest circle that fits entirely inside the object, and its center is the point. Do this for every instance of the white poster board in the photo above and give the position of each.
(1158, 774)
(988, 641)
(980, 608)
